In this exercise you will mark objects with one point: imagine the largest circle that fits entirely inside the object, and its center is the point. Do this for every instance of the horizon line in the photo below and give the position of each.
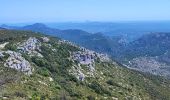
(85, 21)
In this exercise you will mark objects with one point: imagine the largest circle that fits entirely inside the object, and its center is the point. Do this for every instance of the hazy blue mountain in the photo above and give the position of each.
(39, 27)
(93, 41)
(134, 26)
(1, 28)
(9, 27)
(130, 30)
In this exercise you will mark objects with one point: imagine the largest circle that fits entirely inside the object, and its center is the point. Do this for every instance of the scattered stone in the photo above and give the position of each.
(4, 98)
(45, 39)
(3, 45)
(77, 72)
(42, 83)
(51, 79)
(81, 76)
(67, 42)
(114, 98)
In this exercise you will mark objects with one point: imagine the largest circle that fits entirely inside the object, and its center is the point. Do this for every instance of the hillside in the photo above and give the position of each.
(153, 44)
(149, 53)
(35, 66)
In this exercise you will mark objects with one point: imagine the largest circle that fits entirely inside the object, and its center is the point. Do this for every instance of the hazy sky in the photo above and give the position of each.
(12, 11)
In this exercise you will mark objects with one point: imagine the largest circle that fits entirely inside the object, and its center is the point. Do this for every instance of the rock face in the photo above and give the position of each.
(45, 39)
(31, 46)
(86, 58)
(16, 61)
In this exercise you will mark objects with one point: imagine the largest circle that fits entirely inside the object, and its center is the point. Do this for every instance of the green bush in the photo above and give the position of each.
(39, 62)
(99, 89)
(44, 72)
(90, 97)
(111, 82)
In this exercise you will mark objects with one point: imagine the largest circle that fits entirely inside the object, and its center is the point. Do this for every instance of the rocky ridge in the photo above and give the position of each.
(87, 58)
(68, 71)
(15, 59)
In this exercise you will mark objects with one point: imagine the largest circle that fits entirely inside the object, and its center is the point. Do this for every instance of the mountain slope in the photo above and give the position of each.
(34, 66)
(152, 47)
(153, 44)
(149, 53)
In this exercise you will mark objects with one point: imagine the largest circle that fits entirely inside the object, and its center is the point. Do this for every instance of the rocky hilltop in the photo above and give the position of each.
(38, 67)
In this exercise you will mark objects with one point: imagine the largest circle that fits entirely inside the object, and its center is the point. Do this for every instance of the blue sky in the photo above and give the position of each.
(18, 11)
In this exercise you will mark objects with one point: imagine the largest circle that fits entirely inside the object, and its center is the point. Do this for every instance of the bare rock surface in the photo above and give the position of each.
(16, 61)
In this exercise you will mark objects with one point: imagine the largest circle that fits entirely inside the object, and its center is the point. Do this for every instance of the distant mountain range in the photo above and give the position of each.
(93, 41)
(1, 28)
(115, 27)
(130, 30)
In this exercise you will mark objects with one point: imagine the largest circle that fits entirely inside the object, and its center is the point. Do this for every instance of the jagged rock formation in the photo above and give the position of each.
(87, 58)
(31, 46)
(16, 61)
